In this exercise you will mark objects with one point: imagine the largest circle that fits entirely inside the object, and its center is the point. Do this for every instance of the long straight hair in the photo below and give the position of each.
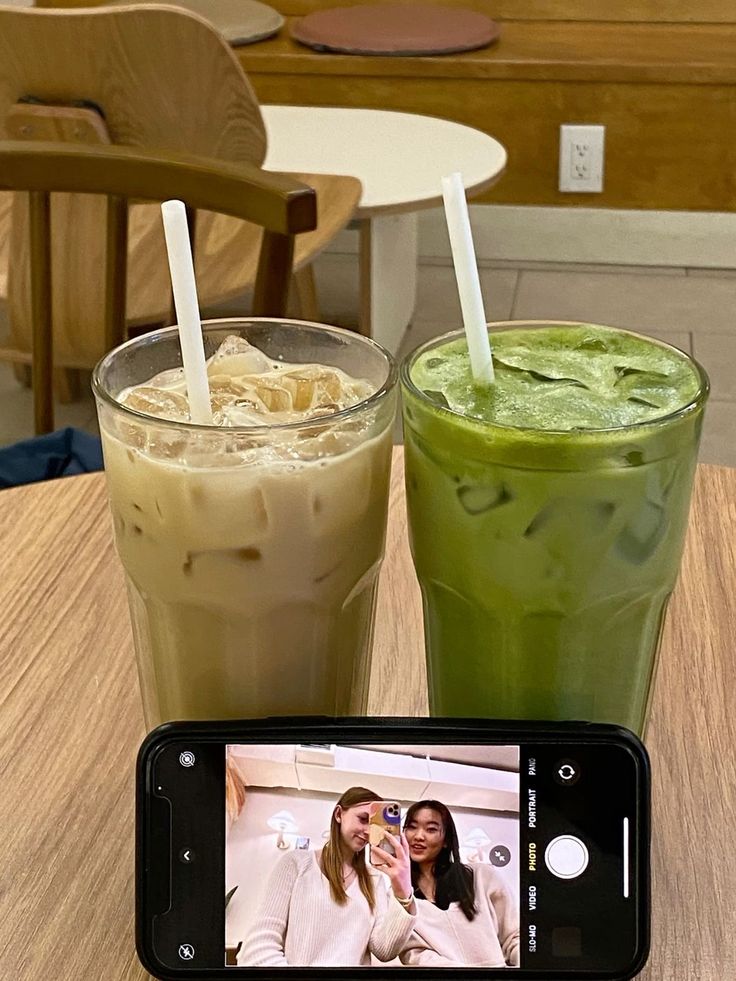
(453, 880)
(332, 855)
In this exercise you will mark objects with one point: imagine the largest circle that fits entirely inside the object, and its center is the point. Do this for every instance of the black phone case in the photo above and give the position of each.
(390, 729)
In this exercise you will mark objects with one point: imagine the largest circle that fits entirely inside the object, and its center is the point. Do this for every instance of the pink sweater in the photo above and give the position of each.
(446, 938)
(299, 923)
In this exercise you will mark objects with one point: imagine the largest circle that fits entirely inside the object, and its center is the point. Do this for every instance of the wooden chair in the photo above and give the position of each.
(155, 78)
(276, 203)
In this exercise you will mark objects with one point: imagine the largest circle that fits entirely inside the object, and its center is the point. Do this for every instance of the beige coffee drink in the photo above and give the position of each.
(251, 547)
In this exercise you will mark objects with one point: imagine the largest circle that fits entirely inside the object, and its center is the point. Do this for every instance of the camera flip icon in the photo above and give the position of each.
(567, 772)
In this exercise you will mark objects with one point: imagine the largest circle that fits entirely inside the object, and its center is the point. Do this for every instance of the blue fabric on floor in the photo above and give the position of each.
(60, 454)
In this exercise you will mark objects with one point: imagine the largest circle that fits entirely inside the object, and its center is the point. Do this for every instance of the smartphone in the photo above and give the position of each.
(530, 839)
(384, 822)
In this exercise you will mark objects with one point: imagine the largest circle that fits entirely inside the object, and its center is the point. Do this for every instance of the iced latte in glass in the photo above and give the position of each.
(251, 547)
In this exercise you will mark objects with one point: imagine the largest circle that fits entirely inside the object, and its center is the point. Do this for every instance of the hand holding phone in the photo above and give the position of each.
(395, 864)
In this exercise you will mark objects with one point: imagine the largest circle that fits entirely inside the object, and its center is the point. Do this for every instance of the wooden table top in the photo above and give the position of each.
(71, 722)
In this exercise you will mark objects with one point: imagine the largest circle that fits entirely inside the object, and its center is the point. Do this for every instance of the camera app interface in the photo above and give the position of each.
(376, 855)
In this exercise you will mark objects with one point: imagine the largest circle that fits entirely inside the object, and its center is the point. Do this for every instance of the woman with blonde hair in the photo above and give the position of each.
(466, 915)
(330, 908)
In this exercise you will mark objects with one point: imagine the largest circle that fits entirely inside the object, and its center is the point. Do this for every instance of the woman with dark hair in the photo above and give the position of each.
(330, 908)
(466, 916)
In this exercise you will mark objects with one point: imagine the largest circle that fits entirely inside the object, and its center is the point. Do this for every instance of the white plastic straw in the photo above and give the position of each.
(184, 286)
(468, 281)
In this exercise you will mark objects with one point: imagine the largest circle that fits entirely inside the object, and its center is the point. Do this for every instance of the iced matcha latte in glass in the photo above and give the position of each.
(251, 547)
(547, 515)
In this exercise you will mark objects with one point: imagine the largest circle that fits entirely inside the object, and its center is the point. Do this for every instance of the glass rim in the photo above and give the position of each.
(408, 361)
(151, 337)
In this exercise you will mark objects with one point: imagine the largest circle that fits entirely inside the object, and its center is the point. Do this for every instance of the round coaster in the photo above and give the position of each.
(395, 29)
(239, 21)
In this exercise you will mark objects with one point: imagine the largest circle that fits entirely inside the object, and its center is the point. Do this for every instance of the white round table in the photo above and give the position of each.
(400, 159)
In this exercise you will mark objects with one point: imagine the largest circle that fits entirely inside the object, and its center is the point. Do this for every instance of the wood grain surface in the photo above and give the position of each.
(664, 92)
(662, 11)
(669, 127)
(70, 724)
(540, 50)
(655, 11)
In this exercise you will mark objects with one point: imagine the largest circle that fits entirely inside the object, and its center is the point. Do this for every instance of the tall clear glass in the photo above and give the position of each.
(546, 559)
(251, 554)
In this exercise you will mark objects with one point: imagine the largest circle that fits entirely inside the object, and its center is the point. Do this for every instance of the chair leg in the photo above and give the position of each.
(273, 276)
(306, 294)
(42, 341)
(22, 374)
(67, 385)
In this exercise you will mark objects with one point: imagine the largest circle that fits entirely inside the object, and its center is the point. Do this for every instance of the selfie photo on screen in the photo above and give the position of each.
(352, 856)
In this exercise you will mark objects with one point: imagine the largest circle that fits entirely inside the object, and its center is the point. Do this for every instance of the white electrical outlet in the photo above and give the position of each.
(581, 158)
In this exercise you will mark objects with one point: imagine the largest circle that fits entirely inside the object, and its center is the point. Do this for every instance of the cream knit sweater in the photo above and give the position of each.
(446, 938)
(300, 924)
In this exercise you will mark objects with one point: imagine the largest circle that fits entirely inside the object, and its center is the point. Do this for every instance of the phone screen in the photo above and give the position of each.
(518, 857)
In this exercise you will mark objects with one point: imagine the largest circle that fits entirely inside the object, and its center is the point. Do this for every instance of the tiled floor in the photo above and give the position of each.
(693, 309)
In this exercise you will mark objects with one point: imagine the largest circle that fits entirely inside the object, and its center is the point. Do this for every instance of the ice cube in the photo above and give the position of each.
(218, 400)
(132, 434)
(592, 517)
(625, 371)
(170, 378)
(225, 385)
(276, 395)
(237, 356)
(661, 480)
(158, 402)
(476, 499)
(166, 444)
(323, 408)
(362, 389)
(591, 343)
(637, 400)
(242, 413)
(439, 398)
(634, 458)
(314, 384)
(640, 538)
(329, 442)
(539, 367)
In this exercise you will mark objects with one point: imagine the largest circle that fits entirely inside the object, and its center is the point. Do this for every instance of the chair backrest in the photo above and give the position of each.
(280, 205)
(159, 78)
(163, 77)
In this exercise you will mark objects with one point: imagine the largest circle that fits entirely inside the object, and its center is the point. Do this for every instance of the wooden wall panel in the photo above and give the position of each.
(667, 146)
(539, 50)
(648, 11)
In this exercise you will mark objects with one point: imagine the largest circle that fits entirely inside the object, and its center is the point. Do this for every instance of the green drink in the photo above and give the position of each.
(547, 516)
